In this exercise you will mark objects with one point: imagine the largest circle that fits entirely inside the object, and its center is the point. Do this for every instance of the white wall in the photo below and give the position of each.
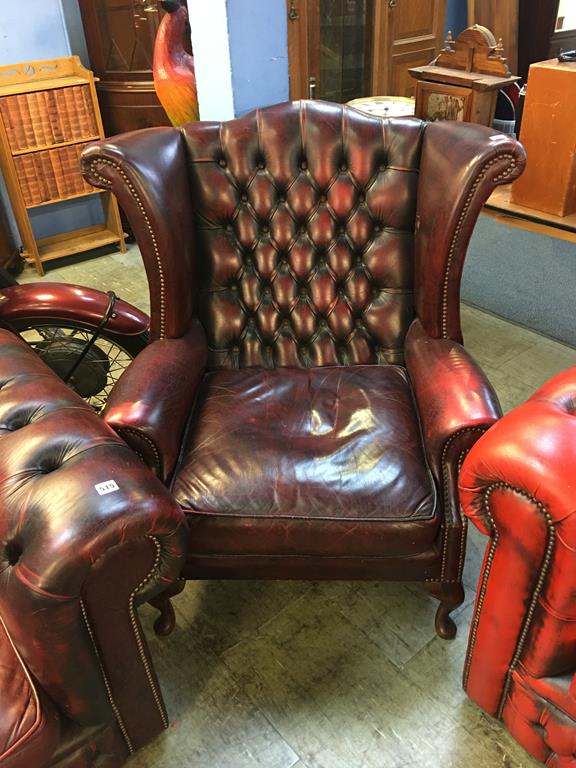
(32, 29)
(568, 10)
(210, 44)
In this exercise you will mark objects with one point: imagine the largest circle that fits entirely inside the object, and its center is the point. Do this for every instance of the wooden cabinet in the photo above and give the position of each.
(408, 33)
(120, 37)
(345, 49)
(48, 114)
(549, 181)
(463, 81)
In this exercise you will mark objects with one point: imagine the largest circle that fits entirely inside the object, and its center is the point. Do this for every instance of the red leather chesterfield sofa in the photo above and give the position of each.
(77, 687)
(518, 486)
(306, 396)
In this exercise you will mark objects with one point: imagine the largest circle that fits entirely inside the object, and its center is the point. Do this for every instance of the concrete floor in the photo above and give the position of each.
(327, 675)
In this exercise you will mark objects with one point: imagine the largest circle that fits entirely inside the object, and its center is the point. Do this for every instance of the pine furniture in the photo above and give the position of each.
(48, 114)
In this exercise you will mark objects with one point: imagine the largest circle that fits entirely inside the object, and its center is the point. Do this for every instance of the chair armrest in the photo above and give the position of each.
(74, 564)
(459, 169)
(518, 486)
(455, 400)
(148, 172)
(150, 405)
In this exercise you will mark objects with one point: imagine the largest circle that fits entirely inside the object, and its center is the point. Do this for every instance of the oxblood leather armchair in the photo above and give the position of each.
(518, 486)
(77, 688)
(306, 396)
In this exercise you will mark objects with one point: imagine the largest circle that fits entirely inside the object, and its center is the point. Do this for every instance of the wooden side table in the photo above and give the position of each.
(384, 106)
(549, 136)
(463, 81)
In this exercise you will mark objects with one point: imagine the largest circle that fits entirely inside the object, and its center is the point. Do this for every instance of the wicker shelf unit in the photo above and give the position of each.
(48, 114)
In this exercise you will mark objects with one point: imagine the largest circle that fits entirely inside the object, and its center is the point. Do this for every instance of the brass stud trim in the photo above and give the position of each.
(506, 173)
(113, 704)
(141, 436)
(542, 574)
(92, 169)
(446, 492)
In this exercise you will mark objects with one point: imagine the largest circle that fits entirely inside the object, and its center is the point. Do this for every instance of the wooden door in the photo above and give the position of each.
(537, 19)
(345, 49)
(501, 17)
(408, 33)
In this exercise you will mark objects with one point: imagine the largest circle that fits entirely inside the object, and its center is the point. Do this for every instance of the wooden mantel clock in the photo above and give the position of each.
(463, 81)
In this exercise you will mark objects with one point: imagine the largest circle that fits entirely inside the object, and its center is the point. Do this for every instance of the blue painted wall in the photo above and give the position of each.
(41, 33)
(456, 16)
(258, 52)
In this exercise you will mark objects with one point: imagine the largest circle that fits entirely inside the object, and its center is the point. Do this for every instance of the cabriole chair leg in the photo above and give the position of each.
(450, 596)
(166, 621)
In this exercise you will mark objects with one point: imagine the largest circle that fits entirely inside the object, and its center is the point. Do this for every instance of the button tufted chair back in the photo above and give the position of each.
(305, 218)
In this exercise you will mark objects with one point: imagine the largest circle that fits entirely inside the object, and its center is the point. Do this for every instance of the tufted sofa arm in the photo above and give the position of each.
(518, 487)
(148, 172)
(150, 404)
(458, 172)
(74, 564)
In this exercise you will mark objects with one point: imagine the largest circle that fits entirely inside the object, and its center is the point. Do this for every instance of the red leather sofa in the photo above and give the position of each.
(77, 687)
(518, 486)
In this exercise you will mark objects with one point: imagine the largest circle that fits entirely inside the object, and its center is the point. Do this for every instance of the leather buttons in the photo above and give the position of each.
(222, 163)
(323, 198)
(304, 165)
(281, 198)
(343, 167)
(261, 165)
(244, 197)
(362, 197)
(265, 228)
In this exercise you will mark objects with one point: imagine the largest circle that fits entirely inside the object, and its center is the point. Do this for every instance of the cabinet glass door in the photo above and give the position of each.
(340, 49)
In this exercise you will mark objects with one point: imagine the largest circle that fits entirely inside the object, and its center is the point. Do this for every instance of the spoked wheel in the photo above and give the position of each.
(60, 345)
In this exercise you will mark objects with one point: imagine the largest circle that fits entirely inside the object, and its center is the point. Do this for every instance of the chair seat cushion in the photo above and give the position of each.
(29, 727)
(321, 461)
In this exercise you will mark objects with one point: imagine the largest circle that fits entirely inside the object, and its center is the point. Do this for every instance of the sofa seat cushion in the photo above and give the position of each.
(29, 727)
(321, 461)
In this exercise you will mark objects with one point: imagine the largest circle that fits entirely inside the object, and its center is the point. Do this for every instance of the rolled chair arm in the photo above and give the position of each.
(465, 167)
(86, 534)
(456, 404)
(455, 400)
(148, 172)
(518, 486)
(150, 404)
